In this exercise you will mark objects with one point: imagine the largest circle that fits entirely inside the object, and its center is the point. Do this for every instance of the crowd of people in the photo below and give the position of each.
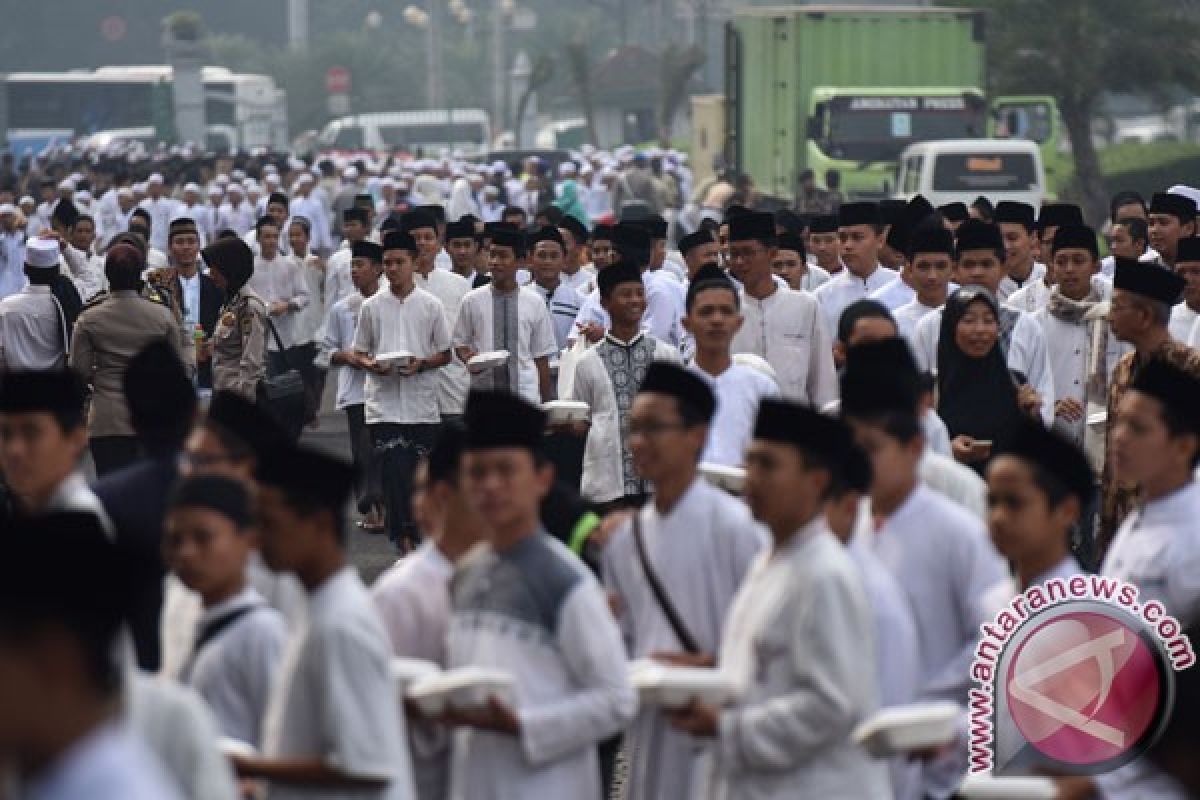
(811, 450)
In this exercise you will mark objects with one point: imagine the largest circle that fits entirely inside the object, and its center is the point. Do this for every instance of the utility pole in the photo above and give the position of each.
(297, 11)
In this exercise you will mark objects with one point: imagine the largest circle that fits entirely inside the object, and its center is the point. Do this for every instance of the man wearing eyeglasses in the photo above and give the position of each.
(781, 325)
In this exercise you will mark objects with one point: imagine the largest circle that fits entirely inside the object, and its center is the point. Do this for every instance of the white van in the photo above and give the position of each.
(960, 170)
(467, 130)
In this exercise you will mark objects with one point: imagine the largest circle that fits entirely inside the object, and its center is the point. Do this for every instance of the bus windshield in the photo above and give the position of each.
(878, 128)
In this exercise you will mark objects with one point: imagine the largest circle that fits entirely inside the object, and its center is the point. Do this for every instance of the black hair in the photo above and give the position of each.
(1139, 231)
(1051, 485)
(903, 426)
(1127, 197)
(512, 211)
(303, 223)
(1177, 426)
(267, 219)
(714, 283)
(861, 309)
(227, 233)
(304, 504)
(83, 218)
(236, 447)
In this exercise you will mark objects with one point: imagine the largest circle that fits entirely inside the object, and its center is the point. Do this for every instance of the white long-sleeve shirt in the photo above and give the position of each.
(281, 279)
(798, 634)
(845, 288)
(535, 612)
(785, 328)
(701, 550)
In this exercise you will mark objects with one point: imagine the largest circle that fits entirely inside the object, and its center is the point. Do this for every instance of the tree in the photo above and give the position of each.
(1076, 50)
(677, 65)
(541, 75)
(579, 65)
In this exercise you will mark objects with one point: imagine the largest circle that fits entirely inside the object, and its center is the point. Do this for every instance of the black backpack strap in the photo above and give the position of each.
(660, 593)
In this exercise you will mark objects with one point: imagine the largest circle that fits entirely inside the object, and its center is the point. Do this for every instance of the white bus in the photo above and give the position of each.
(38, 108)
(423, 133)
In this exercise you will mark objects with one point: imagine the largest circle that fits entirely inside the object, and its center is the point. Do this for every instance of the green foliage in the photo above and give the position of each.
(184, 26)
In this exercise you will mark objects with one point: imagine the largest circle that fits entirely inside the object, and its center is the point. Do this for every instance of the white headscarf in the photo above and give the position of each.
(462, 201)
(428, 191)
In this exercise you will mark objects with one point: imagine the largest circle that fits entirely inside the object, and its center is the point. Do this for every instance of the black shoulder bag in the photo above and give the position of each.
(660, 593)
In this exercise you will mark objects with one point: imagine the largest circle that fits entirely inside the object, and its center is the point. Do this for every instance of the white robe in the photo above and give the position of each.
(413, 599)
(908, 315)
(700, 549)
(1183, 320)
(1008, 286)
(453, 379)
(955, 481)
(894, 295)
(739, 391)
(535, 336)
(845, 288)
(1157, 548)
(1026, 354)
(535, 612)
(603, 472)
(785, 329)
(797, 637)
(331, 697)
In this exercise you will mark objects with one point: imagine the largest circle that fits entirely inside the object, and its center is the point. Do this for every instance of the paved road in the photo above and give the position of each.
(372, 554)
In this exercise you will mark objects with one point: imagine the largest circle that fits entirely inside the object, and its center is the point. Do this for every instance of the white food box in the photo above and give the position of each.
(462, 689)
(563, 411)
(906, 729)
(394, 360)
(994, 787)
(407, 671)
(229, 747)
(674, 687)
(490, 360)
(731, 479)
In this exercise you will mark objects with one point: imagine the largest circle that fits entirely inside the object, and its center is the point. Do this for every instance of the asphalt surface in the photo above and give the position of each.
(371, 553)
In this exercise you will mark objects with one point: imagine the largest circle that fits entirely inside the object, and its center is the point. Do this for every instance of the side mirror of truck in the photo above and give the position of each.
(816, 123)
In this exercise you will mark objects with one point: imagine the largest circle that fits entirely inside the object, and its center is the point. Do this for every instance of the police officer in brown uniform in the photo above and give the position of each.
(238, 347)
(112, 329)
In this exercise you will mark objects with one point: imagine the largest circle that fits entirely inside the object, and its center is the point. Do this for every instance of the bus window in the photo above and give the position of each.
(349, 137)
(984, 172)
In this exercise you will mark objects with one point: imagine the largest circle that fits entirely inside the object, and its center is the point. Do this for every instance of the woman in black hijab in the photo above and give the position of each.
(979, 399)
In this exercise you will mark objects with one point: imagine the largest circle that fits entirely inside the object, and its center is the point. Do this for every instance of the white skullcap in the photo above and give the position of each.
(67, 185)
(26, 200)
(1186, 191)
(272, 179)
(387, 183)
(350, 173)
(295, 163)
(7, 208)
(567, 168)
(139, 188)
(222, 180)
(192, 187)
(238, 175)
(124, 191)
(155, 178)
(304, 178)
(42, 253)
(235, 187)
(270, 169)
(83, 196)
(76, 176)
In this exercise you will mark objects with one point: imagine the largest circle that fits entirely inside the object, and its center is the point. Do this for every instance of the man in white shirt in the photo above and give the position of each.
(33, 327)
(699, 543)
(504, 316)
(463, 244)
(239, 639)
(980, 262)
(61, 735)
(12, 252)
(413, 596)
(332, 728)
(1172, 217)
(824, 246)
(562, 301)
(800, 636)
(235, 213)
(781, 325)
(338, 283)
(1082, 350)
(791, 264)
(281, 284)
(194, 208)
(1130, 239)
(448, 287)
(1018, 226)
(340, 327)
(860, 232)
(607, 377)
(880, 401)
(713, 318)
(574, 272)
(402, 411)
(306, 204)
(525, 605)
(1156, 444)
(1185, 314)
(930, 263)
(162, 208)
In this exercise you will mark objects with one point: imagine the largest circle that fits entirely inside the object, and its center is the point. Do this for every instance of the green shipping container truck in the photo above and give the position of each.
(847, 88)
